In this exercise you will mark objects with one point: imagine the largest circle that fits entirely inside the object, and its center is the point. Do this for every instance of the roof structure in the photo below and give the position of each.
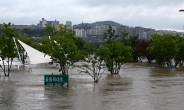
(35, 56)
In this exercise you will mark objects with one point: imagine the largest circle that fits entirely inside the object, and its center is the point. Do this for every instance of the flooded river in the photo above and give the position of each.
(139, 86)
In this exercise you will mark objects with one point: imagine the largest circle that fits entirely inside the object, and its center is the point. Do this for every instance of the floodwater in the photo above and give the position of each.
(139, 86)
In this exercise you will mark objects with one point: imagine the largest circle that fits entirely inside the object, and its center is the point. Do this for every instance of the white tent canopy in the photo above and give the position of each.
(34, 55)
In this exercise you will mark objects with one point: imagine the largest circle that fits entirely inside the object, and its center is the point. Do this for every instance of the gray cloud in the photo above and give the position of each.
(157, 14)
(125, 3)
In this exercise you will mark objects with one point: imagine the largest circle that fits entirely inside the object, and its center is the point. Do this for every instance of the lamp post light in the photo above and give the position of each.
(181, 10)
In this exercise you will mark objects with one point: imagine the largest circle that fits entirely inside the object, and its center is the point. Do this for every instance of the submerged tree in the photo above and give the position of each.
(131, 41)
(134, 41)
(91, 64)
(7, 47)
(94, 67)
(61, 48)
(164, 48)
(179, 58)
(114, 56)
(141, 49)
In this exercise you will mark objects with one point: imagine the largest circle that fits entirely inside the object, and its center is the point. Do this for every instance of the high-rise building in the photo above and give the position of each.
(43, 23)
(121, 29)
(149, 32)
(144, 35)
(131, 31)
(139, 32)
(69, 24)
(80, 33)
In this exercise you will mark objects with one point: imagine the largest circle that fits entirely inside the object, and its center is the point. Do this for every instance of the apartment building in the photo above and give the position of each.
(139, 31)
(43, 23)
(69, 24)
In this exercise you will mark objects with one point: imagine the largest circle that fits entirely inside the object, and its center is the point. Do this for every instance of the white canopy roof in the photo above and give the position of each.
(35, 56)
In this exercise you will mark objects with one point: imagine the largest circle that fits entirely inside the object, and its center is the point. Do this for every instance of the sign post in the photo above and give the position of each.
(56, 80)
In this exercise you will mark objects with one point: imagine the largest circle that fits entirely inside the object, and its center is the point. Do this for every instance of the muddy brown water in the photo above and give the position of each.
(139, 86)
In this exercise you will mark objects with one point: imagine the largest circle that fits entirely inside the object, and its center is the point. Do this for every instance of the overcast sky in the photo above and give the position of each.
(156, 14)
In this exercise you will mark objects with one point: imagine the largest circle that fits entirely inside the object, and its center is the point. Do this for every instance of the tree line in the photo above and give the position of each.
(65, 50)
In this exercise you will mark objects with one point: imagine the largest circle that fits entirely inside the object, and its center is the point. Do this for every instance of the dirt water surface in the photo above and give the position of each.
(139, 86)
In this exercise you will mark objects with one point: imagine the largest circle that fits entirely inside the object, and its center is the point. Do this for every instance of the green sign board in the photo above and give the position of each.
(56, 80)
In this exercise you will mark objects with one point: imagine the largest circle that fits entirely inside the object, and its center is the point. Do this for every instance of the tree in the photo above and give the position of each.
(114, 56)
(91, 64)
(7, 47)
(141, 49)
(131, 41)
(94, 67)
(134, 41)
(124, 38)
(50, 30)
(45, 44)
(61, 48)
(179, 58)
(110, 36)
(164, 48)
(89, 48)
(65, 53)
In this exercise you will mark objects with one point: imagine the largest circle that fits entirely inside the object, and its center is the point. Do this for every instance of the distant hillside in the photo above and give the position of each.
(112, 23)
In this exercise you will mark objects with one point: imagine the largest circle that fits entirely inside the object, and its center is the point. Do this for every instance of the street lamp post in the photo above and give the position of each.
(182, 10)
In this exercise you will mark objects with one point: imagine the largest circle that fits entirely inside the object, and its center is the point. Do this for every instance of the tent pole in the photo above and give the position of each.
(16, 48)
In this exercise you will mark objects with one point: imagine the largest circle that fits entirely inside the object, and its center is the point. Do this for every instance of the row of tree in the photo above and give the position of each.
(167, 50)
(65, 50)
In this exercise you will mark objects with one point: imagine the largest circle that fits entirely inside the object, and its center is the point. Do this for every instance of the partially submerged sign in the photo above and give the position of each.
(56, 80)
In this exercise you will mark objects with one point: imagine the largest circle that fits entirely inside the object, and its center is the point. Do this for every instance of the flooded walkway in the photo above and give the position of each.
(139, 86)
